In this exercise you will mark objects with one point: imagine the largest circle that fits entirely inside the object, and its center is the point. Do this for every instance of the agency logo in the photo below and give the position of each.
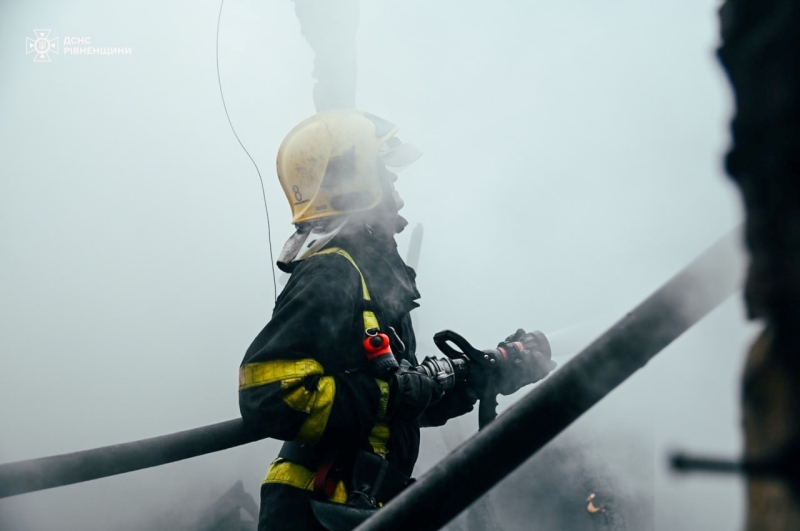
(42, 45)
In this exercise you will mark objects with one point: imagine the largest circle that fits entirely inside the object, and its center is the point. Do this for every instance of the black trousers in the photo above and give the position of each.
(285, 508)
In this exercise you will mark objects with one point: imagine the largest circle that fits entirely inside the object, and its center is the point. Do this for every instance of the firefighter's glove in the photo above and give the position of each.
(411, 391)
(523, 358)
(446, 372)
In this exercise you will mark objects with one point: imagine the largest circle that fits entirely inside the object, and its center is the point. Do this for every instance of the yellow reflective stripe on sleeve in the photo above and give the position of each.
(288, 473)
(297, 476)
(267, 372)
(318, 413)
(379, 439)
(316, 403)
(299, 398)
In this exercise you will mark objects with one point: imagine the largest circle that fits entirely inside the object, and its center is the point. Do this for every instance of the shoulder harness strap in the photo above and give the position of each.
(379, 436)
(370, 320)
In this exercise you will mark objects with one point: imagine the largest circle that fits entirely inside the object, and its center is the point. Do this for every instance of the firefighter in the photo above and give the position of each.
(334, 372)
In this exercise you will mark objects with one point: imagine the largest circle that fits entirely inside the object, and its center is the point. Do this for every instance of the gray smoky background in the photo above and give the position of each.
(572, 163)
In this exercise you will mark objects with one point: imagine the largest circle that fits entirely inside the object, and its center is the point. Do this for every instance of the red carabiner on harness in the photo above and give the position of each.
(378, 349)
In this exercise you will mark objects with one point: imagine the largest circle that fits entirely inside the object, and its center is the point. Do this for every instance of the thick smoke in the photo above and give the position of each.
(572, 166)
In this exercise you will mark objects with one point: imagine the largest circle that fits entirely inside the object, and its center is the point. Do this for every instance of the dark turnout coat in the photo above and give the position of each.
(305, 378)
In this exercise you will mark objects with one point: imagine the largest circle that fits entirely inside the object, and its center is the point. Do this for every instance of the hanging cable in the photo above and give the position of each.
(260, 179)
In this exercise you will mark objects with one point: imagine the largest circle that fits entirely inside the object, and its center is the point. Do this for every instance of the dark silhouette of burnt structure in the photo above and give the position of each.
(761, 55)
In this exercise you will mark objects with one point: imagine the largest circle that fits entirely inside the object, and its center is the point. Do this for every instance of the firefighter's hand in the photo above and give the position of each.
(411, 390)
(525, 358)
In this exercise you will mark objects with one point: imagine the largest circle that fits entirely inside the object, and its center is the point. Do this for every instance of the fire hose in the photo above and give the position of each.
(487, 457)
